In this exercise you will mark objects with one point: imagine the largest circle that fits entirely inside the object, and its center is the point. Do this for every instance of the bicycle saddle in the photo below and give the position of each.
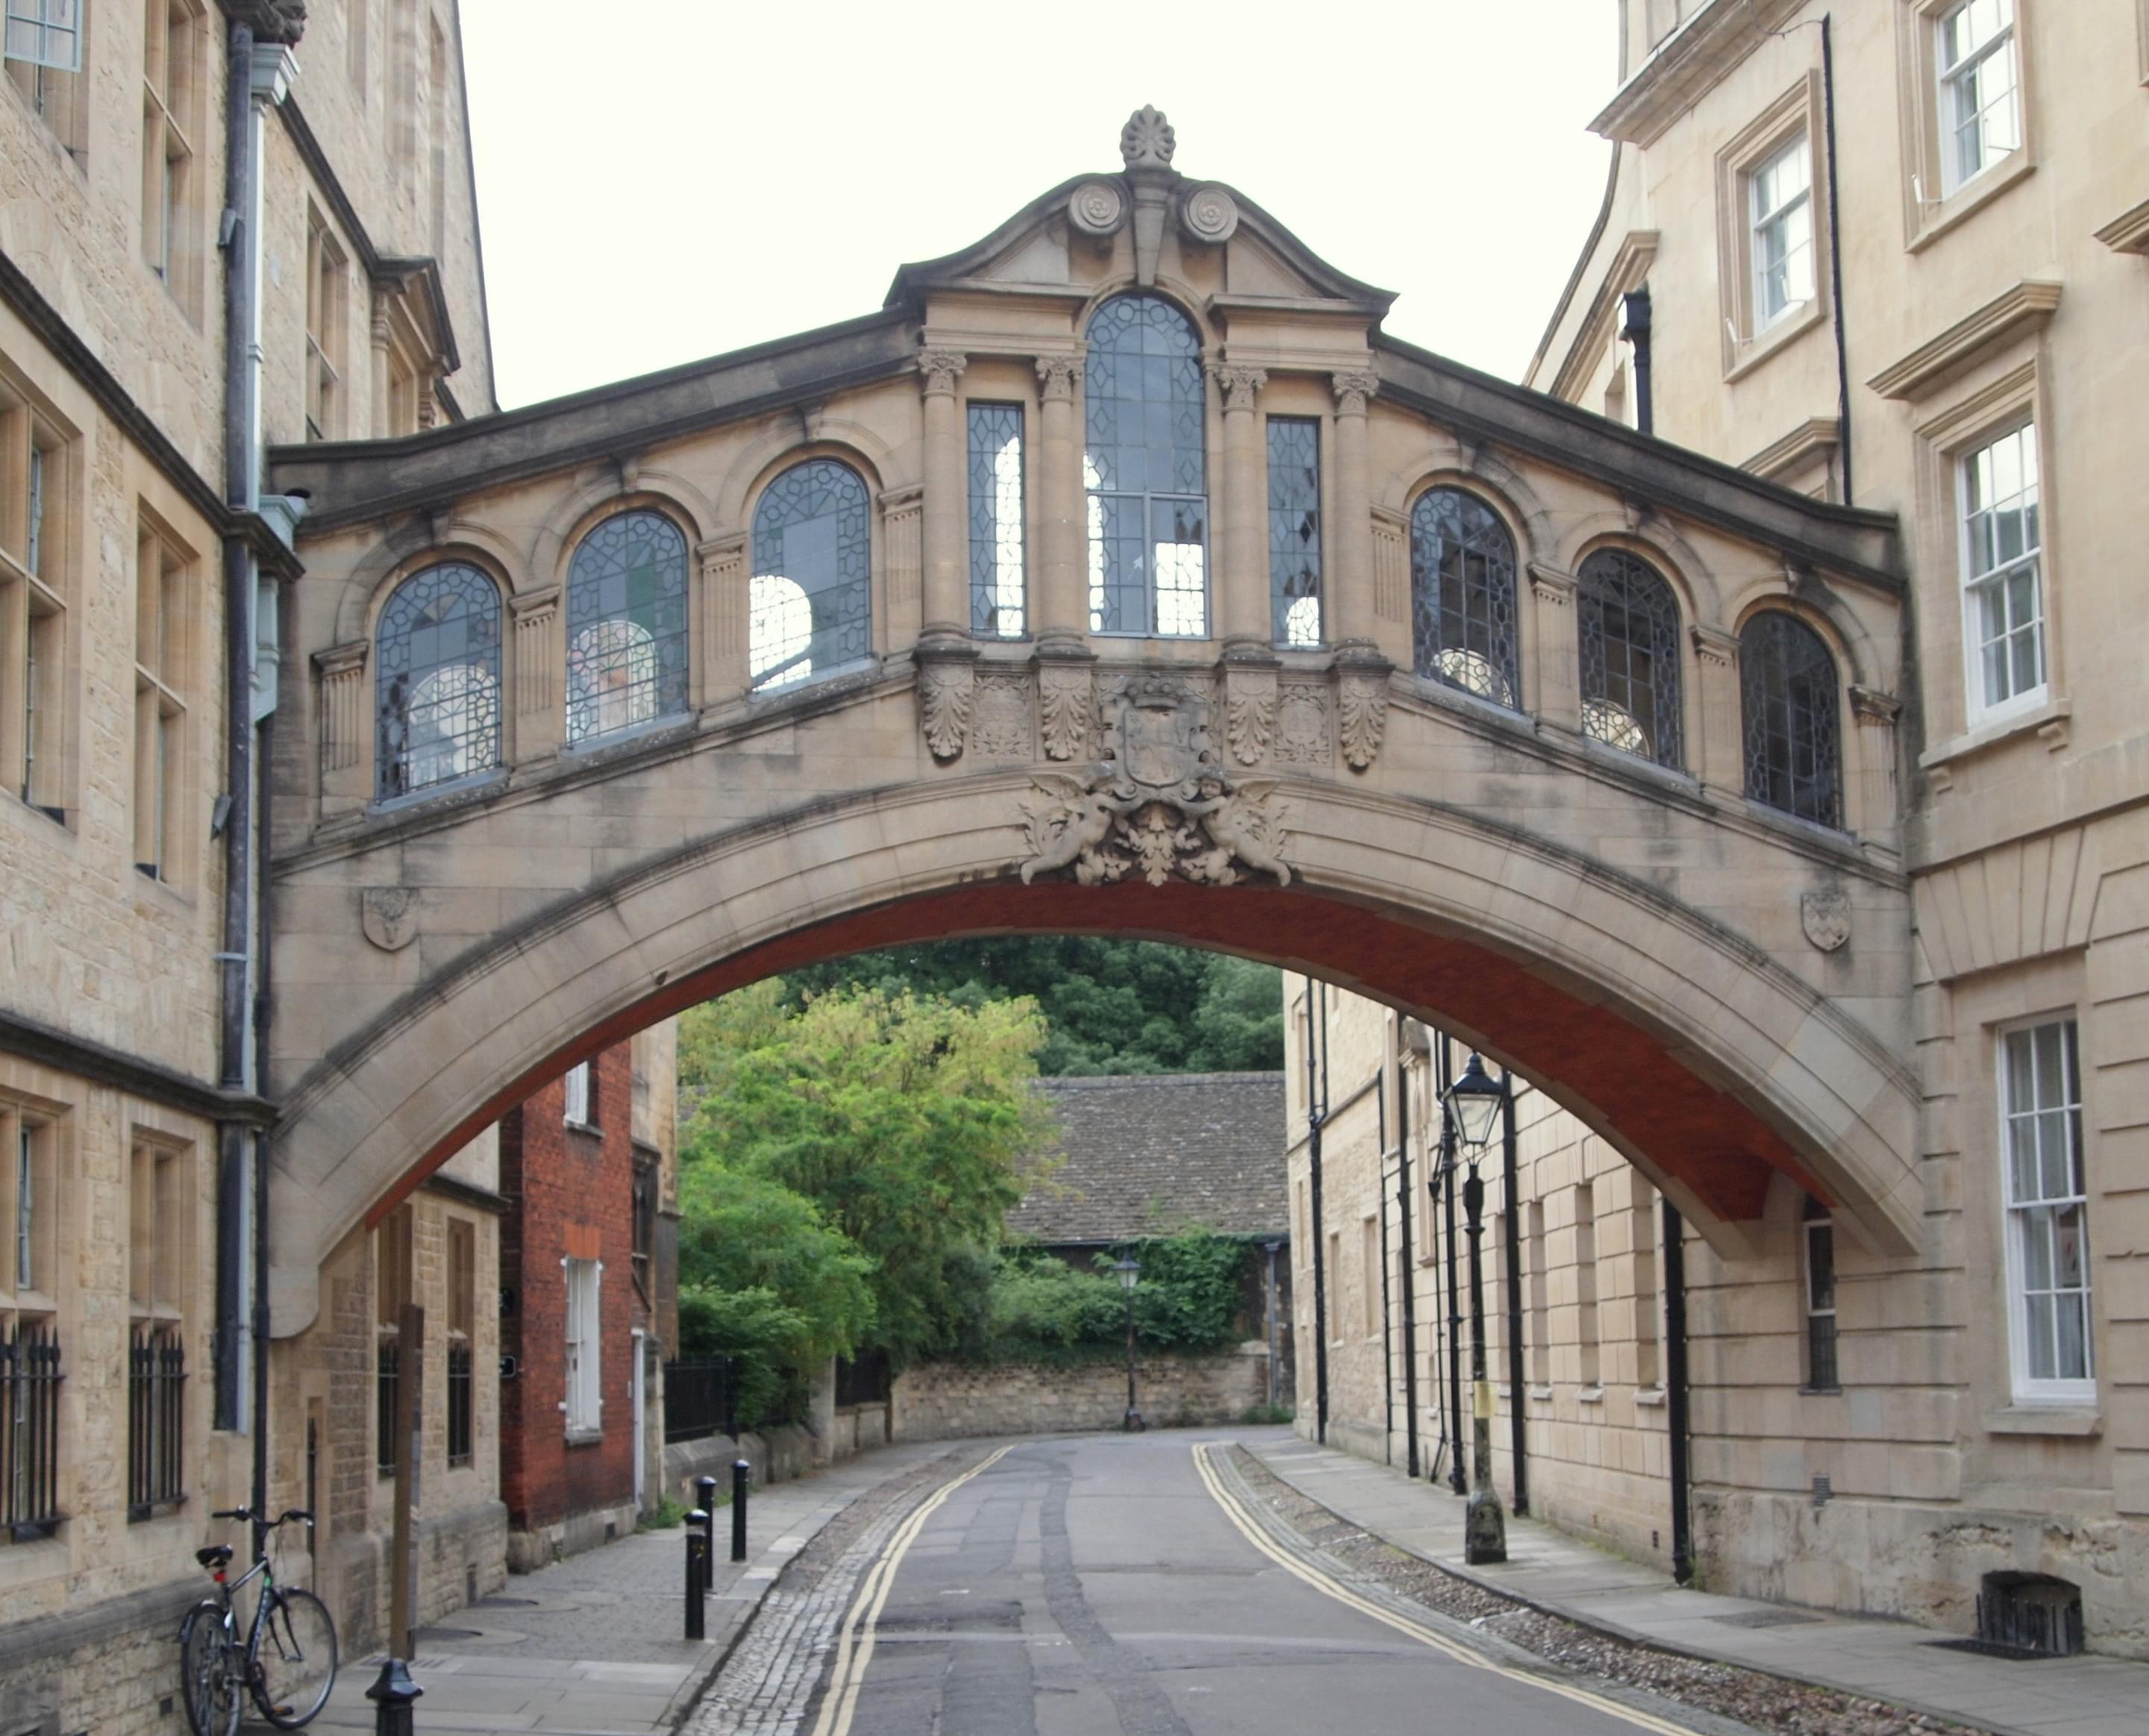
(217, 1555)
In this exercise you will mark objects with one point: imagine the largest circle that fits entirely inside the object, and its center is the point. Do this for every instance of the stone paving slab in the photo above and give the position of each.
(1889, 1660)
(593, 1645)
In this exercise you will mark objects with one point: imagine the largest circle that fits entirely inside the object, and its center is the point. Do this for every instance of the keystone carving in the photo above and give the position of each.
(1825, 916)
(945, 693)
(1361, 709)
(1066, 709)
(1158, 804)
(1147, 141)
(389, 915)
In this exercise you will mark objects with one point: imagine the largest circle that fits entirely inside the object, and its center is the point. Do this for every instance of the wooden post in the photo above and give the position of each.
(410, 1429)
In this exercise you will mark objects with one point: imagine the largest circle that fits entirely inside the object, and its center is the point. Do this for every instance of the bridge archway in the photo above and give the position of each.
(1707, 1063)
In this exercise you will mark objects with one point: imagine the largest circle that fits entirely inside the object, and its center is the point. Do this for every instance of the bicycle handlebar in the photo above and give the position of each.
(297, 1513)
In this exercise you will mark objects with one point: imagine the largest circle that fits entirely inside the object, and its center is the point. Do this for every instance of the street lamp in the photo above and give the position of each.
(1473, 1103)
(1127, 1269)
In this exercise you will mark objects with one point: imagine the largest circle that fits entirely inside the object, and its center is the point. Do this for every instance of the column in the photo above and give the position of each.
(1349, 604)
(1719, 752)
(1877, 815)
(1556, 660)
(1063, 592)
(946, 602)
(380, 336)
(1238, 586)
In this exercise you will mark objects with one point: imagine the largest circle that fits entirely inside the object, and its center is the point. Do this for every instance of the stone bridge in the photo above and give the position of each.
(1120, 575)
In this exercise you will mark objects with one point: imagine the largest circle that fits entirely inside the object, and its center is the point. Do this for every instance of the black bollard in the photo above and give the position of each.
(706, 1487)
(391, 1697)
(698, 1570)
(740, 1470)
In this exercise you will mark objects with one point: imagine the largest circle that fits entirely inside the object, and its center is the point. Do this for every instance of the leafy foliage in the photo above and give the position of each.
(1109, 1006)
(1043, 1310)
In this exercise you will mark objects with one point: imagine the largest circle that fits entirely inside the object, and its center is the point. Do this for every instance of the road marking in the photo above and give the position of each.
(854, 1642)
(1418, 1631)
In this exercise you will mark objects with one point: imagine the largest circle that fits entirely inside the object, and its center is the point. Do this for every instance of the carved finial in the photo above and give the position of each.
(1146, 140)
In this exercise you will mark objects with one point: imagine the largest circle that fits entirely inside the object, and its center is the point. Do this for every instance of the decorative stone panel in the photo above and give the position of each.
(901, 515)
(343, 704)
(1390, 565)
(536, 648)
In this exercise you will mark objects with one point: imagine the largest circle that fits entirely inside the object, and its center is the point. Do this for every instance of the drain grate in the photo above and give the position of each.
(1763, 1618)
(505, 1603)
(1986, 1649)
(440, 1636)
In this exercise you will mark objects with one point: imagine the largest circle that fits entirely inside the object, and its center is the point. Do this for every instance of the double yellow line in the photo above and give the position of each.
(1423, 1634)
(855, 1645)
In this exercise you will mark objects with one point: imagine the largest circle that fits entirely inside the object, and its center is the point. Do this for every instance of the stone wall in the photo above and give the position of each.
(950, 1400)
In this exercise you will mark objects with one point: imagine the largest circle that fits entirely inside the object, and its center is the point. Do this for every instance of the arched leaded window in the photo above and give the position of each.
(436, 680)
(1629, 626)
(1787, 689)
(627, 625)
(1145, 469)
(1462, 595)
(810, 604)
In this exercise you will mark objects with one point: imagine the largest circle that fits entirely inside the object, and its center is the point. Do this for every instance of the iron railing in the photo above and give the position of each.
(387, 1372)
(701, 1399)
(30, 1429)
(156, 1419)
(863, 1381)
(459, 1404)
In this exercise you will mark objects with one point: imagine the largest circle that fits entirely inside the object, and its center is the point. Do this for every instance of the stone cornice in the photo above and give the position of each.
(2129, 231)
(150, 1080)
(1686, 65)
(1816, 433)
(2017, 312)
(1630, 265)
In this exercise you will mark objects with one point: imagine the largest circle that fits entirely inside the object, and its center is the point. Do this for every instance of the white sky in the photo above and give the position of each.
(697, 175)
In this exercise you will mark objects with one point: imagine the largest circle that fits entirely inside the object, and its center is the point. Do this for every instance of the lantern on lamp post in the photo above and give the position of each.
(1474, 1103)
(1127, 1269)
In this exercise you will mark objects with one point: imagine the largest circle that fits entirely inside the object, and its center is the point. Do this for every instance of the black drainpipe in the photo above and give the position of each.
(1835, 260)
(261, 1138)
(1458, 1479)
(1403, 1211)
(1635, 310)
(1315, 1108)
(1387, 1332)
(1518, 1424)
(1675, 1393)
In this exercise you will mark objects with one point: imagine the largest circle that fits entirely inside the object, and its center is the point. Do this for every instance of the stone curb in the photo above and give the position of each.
(1629, 1636)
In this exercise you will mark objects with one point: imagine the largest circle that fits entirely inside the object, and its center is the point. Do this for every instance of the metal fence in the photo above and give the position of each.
(701, 1399)
(156, 1419)
(30, 1429)
(863, 1381)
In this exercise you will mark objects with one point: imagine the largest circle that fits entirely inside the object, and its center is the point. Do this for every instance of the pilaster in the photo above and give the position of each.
(1062, 611)
(722, 674)
(1240, 582)
(538, 656)
(1557, 650)
(1719, 757)
(945, 606)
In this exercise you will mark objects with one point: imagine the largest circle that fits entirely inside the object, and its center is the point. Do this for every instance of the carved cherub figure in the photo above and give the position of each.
(1241, 826)
(1067, 832)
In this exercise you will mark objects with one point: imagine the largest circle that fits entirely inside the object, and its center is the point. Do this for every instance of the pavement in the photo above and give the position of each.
(1911, 1666)
(592, 1645)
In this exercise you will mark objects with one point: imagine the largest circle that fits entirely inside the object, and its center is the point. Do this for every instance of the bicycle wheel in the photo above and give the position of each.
(208, 1684)
(294, 1662)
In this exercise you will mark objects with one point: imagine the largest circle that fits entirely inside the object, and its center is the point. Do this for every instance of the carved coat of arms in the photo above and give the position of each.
(1159, 803)
(389, 915)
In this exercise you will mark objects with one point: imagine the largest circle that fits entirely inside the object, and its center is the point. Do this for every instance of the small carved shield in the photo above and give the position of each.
(388, 915)
(1825, 916)
(1155, 743)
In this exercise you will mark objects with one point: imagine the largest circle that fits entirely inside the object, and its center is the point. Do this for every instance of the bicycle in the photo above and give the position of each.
(289, 1678)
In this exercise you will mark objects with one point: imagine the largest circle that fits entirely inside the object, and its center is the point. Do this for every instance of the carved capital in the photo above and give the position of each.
(716, 552)
(1549, 585)
(1355, 390)
(1874, 708)
(1056, 376)
(1712, 644)
(528, 607)
(339, 661)
(939, 370)
(1241, 386)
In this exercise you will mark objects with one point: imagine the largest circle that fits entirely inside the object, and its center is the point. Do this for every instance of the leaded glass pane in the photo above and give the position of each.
(997, 594)
(810, 605)
(627, 625)
(1787, 686)
(437, 680)
(1295, 530)
(1145, 469)
(1462, 595)
(1629, 626)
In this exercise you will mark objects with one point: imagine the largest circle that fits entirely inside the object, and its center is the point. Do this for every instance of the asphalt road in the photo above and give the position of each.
(1093, 1584)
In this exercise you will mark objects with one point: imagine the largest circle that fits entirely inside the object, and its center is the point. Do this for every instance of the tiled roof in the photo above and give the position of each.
(1150, 1153)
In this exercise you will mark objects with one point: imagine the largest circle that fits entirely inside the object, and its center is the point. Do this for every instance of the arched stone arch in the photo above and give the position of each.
(758, 465)
(1529, 699)
(1180, 294)
(1856, 656)
(1693, 580)
(1477, 469)
(1702, 1058)
(579, 511)
(1851, 747)
(417, 543)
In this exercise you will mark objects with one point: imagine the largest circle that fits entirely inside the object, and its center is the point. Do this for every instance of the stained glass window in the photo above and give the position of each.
(437, 680)
(627, 625)
(1788, 691)
(1462, 595)
(1145, 466)
(1295, 530)
(997, 595)
(1629, 626)
(809, 606)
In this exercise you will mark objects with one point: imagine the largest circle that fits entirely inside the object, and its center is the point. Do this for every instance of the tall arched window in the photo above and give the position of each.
(1146, 468)
(1793, 747)
(436, 678)
(627, 625)
(1462, 595)
(810, 604)
(1630, 625)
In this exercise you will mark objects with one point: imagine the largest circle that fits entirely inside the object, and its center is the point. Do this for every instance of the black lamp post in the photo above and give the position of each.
(1128, 1268)
(1474, 1102)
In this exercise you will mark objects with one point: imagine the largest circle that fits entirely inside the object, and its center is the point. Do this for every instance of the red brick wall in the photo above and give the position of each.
(567, 1188)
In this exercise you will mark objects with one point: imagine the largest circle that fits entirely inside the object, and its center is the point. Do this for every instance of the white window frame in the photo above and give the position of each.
(2018, 1213)
(1763, 220)
(575, 1092)
(1978, 582)
(46, 33)
(583, 1401)
(1950, 79)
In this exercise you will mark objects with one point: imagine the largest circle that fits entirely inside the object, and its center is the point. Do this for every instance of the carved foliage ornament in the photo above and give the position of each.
(1158, 804)
(1146, 141)
(1361, 705)
(944, 692)
(1250, 720)
(1065, 705)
